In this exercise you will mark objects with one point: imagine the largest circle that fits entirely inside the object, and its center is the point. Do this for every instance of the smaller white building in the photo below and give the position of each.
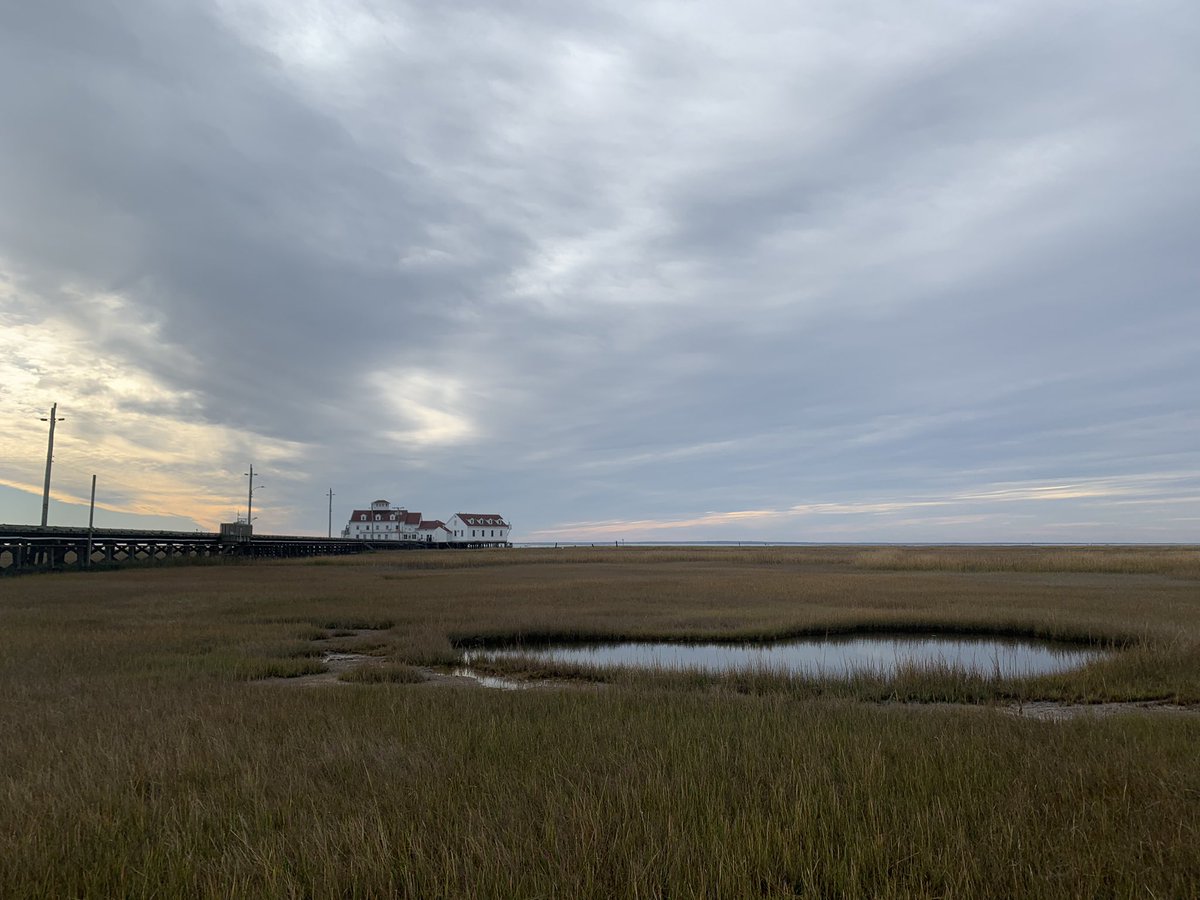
(478, 528)
(434, 532)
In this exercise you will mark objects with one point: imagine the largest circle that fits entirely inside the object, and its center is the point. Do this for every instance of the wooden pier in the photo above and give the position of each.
(29, 548)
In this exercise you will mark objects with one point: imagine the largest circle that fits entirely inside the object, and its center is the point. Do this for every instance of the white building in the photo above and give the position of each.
(384, 522)
(434, 532)
(478, 528)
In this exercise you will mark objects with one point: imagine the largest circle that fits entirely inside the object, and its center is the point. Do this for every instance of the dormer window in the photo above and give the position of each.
(363, 517)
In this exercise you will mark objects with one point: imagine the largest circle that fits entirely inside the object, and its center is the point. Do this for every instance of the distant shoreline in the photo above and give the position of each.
(618, 544)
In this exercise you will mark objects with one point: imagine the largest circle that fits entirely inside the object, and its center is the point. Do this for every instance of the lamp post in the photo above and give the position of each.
(330, 512)
(53, 419)
(250, 495)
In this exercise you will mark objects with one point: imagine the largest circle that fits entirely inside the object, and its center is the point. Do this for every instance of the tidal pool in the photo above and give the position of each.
(835, 656)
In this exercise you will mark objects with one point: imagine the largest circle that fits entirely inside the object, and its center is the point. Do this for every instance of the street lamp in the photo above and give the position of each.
(52, 419)
(250, 495)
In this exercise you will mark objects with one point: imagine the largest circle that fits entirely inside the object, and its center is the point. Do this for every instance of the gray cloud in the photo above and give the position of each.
(584, 263)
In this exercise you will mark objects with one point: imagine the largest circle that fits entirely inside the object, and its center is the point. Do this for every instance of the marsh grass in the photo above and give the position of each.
(342, 626)
(1172, 561)
(392, 673)
(629, 793)
(288, 649)
(136, 760)
(252, 669)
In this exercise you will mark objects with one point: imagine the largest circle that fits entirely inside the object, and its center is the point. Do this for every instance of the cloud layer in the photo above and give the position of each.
(849, 272)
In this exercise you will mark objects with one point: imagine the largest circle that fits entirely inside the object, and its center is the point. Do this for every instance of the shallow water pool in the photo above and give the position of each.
(834, 656)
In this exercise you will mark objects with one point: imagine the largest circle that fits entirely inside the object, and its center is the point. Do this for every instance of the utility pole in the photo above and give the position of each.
(331, 512)
(250, 496)
(49, 459)
(91, 520)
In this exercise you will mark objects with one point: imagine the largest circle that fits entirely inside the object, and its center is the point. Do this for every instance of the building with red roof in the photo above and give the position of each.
(478, 528)
(383, 522)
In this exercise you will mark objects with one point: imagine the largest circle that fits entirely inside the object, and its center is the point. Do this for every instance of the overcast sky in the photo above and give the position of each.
(841, 270)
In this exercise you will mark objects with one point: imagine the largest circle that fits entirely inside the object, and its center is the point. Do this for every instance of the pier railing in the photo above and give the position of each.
(29, 548)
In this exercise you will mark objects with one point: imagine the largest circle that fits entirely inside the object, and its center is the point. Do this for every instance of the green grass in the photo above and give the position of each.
(143, 755)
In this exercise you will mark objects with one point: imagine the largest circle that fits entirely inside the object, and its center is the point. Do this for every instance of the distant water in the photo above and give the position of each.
(837, 656)
(669, 544)
(840, 544)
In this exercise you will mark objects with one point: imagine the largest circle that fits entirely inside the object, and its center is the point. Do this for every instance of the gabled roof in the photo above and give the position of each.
(434, 525)
(387, 515)
(483, 519)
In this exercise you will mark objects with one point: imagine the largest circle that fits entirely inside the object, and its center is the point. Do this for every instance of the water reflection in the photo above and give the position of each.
(836, 656)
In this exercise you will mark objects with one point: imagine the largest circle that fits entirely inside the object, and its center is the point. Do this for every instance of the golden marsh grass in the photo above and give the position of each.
(142, 756)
